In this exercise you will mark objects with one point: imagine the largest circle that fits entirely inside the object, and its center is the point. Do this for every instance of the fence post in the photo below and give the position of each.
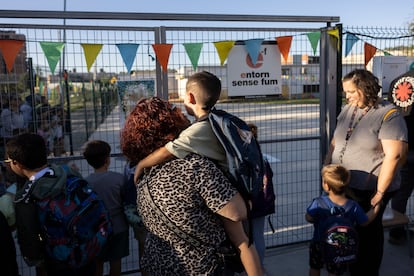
(328, 88)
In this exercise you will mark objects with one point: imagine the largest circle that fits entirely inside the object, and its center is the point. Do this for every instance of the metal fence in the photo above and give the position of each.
(294, 128)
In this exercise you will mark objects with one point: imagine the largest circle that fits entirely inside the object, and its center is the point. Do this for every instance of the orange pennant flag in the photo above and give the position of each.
(162, 52)
(10, 48)
(369, 52)
(284, 42)
(223, 49)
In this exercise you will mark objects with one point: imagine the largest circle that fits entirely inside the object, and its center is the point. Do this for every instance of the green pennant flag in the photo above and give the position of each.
(314, 40)
(52, 51)
(193, 51)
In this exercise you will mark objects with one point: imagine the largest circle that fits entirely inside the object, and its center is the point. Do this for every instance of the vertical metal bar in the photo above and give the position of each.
(158, 71)
(328, 89)
(95, 107)
(85, 111)
(164, 83)
(68, 121)
(32, 95)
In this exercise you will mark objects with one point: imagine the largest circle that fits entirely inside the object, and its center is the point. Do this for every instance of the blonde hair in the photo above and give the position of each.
(336, 177)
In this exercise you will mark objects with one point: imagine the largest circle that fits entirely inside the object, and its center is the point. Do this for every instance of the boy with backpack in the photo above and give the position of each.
(335, 241)
(41, 233)
(109, 186)
(202, 92)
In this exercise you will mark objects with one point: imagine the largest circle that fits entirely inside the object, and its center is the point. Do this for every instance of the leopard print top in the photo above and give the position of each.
(189, 192)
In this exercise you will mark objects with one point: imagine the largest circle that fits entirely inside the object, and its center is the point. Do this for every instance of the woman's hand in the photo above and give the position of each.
(377, 199)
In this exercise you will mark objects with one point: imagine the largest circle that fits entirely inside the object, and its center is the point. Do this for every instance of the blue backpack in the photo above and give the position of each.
(339, 238)
(75, 223)
(243, 153)
(246, 166)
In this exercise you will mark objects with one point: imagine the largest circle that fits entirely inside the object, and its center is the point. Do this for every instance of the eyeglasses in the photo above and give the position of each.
(349, 92)
(8, 160)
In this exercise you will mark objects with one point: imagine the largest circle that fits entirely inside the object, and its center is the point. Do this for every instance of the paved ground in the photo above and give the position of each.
(293, 260)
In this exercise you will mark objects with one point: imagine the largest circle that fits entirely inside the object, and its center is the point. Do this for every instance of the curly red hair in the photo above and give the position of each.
(151, 124)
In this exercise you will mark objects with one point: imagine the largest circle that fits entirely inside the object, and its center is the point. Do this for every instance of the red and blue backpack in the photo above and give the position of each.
(339, 238)
(75, 224)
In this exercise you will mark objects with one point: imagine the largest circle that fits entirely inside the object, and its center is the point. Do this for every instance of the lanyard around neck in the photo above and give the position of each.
(352, 126)
(351, 129)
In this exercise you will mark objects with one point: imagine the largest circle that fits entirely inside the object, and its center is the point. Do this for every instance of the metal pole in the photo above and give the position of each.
(68, 121)
(32, 124)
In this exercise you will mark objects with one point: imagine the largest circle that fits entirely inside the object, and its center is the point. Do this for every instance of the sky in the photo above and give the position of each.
(356, 13)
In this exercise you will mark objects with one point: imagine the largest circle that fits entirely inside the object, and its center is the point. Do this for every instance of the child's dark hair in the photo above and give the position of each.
(336, 177)
(206, 87)
(28, 149)
(96, 153)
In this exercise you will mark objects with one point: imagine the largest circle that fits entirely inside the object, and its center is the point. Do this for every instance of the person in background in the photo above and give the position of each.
(12, 120)
(370, 140)
(108, 185)
(27, 110)
(192, 192)
(263, 205)
(400, 86)
(335, 180)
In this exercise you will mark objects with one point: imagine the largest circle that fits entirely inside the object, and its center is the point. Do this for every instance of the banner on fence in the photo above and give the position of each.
(260, 78)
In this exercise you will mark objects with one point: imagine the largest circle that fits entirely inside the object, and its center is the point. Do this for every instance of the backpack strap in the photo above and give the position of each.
(333, 209)
(389, 112)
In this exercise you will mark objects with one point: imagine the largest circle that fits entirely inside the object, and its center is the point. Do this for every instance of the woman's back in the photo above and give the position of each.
(188, 191)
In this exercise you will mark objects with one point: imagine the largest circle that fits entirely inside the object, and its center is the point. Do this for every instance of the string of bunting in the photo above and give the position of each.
(128, 51)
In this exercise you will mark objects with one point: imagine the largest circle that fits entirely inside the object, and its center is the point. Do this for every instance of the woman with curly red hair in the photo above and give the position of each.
(191, 192)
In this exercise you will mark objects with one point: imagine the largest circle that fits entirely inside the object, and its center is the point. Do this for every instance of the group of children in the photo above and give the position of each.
(112, 188)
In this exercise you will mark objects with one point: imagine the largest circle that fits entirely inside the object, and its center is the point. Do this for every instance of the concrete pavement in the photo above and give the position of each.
(292, 260)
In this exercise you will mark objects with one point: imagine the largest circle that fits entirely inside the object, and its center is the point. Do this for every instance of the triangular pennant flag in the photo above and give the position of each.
(10, 48)
(223, 49)
(52, 51)
(314, 40)
(387, 53)
(91, 51)
(369, 52)
(284, 42)
(335, 33)
(193, 51)
(128, 52)
(252, 47)
(162, 52)
(350, 40)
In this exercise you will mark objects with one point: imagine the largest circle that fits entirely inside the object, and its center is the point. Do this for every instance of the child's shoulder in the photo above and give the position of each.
(114, 174)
